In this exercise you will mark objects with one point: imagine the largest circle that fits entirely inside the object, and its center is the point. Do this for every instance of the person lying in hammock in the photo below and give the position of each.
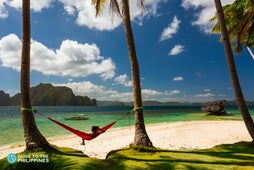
(95, 130)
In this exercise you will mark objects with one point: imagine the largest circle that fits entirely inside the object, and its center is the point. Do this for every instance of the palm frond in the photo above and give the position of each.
(114, 7)
(141, 5)
(98, 6)
(239, 18)
(250, 32)
(241, 32)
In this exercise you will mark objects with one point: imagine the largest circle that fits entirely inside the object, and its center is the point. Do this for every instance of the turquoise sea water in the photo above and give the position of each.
(11, 130)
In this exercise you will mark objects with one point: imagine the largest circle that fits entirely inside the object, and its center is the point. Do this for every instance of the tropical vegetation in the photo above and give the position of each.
(138, 156)
(239, 17)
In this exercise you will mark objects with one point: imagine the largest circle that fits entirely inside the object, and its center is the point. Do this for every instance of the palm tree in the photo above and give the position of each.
(33, 137)
(233, 72)
(141, 136)
(239, 18)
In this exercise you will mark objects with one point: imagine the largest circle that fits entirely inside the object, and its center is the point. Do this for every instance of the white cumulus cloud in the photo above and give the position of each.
(172, 92)
(123, 79)
(99, 92)
(10, 51)
(177, 49)
(179, 78)
(205, 10)
(150, 92)
(71, 59)
(205, 95)
(3, 10)
(170, 30)
(36, 5)
(85, 13)
(102, 93)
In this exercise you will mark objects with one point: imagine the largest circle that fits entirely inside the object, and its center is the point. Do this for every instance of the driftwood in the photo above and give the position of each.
(215, 108)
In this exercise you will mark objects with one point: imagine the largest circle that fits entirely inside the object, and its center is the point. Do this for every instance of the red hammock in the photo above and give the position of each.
(84, 135)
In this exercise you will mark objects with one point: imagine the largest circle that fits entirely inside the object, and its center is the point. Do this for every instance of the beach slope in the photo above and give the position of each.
(186, 135)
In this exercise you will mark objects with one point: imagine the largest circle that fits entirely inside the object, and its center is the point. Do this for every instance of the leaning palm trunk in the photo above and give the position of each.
(232, 70)
(141, 137)
(33, 137)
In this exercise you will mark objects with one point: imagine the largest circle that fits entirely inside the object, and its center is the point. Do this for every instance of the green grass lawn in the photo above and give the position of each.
(233, 156)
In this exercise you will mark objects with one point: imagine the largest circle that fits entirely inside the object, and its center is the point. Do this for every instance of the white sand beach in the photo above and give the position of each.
(173, 136)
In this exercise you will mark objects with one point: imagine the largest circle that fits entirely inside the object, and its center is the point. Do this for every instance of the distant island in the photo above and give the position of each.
(157, 103)
(49, 95)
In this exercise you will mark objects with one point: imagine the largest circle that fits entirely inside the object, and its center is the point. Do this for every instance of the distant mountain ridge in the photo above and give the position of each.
(49, 95)
(157, 103)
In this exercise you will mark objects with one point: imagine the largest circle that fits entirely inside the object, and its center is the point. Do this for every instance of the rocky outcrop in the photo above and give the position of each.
(215, 108)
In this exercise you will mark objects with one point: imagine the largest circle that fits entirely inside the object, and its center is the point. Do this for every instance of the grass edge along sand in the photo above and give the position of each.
(227, 156)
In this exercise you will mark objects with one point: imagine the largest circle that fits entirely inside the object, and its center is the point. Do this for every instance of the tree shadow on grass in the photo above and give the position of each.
(232, 156)
(238, 153)
(57, 158)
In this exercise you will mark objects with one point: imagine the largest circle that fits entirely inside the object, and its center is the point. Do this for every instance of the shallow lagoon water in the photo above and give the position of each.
(11, 130)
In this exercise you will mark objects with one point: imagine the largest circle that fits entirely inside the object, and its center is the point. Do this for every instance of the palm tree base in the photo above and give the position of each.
(142, 139)
(32, 146)
(144, 142)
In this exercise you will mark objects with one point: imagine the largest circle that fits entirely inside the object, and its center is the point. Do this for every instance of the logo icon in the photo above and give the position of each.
(12, 158)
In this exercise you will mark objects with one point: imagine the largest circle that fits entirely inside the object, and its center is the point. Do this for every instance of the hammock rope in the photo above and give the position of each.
(27, 109)
(84, 135)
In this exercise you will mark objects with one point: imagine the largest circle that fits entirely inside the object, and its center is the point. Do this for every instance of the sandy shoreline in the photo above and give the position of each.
(173, 135)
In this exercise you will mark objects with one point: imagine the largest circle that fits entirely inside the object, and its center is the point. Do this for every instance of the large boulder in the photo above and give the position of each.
(215, 108)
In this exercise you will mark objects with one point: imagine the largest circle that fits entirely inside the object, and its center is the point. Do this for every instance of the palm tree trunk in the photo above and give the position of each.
(141, 137)
(33, 137)
(232, 71)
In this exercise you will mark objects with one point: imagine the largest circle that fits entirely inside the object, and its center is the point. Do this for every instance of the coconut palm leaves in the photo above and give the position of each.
(239, 18)
(98, 5)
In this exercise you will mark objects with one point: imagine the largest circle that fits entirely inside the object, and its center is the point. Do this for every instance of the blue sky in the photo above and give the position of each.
(179, 59)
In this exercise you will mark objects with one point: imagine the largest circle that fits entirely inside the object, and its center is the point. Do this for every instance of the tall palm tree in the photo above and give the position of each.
(233, 72)
(239, 18)
(33, 137)
(141, 136)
